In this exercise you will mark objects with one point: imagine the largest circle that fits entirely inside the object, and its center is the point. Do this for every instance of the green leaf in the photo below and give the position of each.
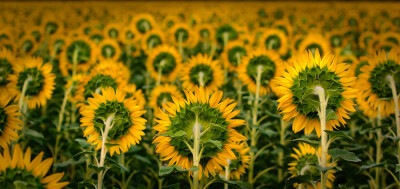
(330, 115)
(33, 133)
(142, 159)
(117, 165)
(344, 154)
(165, 170)
(233, 184)
(172, 186)
(365, 167)
(109, 145)
(215, 143)
(82, 142)
(313, 143)
(395, 139)
(70, 162)
(179, 134)
(86, 184)
(397, 168)
(333, 135)
(194, 168)
(83, 153)
(97, 169)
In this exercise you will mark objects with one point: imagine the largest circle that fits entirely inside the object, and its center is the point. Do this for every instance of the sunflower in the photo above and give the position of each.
(233, 54)
(355, 68)
(276, 40)
(109, 49)
(85, 52)
(96, 36)
(40, 81)
(237, 167)
(365, 39)
(152, 39)
(226, 33)
(56, 42)
(176, 130)
(270, 65)
(201, 70)
(74, 82)
(103, 78)
(27, 45)
(7, 62)
(300, 102)
(164, 59)
(313, 42)
(127, 125)
(128, 35)
(305, 159)
(182, 33)
(373, 84)
(132, 91)
(336, 38)
(163, 93)
(9, 122)
(285, 26)
(112, 31)
(17, 166)
(169, 21)
(205, 32)
(52, 26)
(9, 45)
(383, 45)
(36, 32)
(144, 23)
(5, 33)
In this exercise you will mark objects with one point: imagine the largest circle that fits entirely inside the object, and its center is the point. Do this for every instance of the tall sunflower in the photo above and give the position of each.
(164, 62)
(299, 82)
(270, 65)
(132, 91)
(373, 84)
(163, 93)
(237, 167)
(144, 23)
(314, 41)
(17, 166)
(233, 54)
(152, 39)
(275, 39)
(118, 68)
(9, 121)
(109, 49)
(7, 61)
(201, 70)
(182, 33)
(178, 125)
(40, 81)
(305, 159)
(127, 126)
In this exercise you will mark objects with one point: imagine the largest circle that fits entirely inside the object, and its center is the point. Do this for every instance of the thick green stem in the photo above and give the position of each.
(180, 44)
(75, 61)
(324, 136)
(392, 85)
(378, 149)
(201, 79)
(253, 133)
(227, 175)
(108, 126)
(281, 153)
(22, 99)
(196, 151)
(160, 68)
(128, 55)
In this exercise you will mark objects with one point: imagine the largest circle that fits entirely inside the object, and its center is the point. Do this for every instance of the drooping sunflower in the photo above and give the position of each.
(128, 35)
(127, 125)
(165, 59)
(85, 52)
(152, 39)
(276, 40)
(109, 49)
(144, 23)
(373, 81)
(305, 159)
(17, 166)
(298, 84)
(182, 33)
(132, 91)
(270, 65)
(41, 80)
(162, 94)
(9, 121)
(285, 26)
(237, 167)
(118, 68)
(233, 54)
(201, 70)
(314, 41)
(217, 124)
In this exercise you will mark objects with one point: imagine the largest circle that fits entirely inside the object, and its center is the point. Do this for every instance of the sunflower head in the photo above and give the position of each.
(314, 42)
(226, 33)
(143, 23)
(132, 91)
(176, 127)
(109, 49)
(374, 83)
(18, 166)
(112, 30)
(165, 59)
(182, 33)
(153, 39)
(305, 159)
(127, 125)
(300, 101)
(237, 167)
(162, 94)
(265, 62)
(233, 54)
(201, 70)
(276, 40)
(9, 121)
(7, 60)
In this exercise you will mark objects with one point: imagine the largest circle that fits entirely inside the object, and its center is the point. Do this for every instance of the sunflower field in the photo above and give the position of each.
(199, 95)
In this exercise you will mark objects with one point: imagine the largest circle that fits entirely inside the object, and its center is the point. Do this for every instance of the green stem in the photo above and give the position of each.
(23, 92)
(128, 55)
(378, 149)
(227, 175)
(196, 151)
(180, 45)
(160, 68)
(75, 61)
(201, 79)
(253, 133)
(324, 137)
(392, 85)
(281, 153)
(108, 126)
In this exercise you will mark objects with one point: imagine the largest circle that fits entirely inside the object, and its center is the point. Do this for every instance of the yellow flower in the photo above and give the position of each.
(183, 32)
(305, 159)
(166, 58)
(27, 45)
(298, 84)
(18, 166)
(314, 41)
(163, 93)
(276, 40)
(109, 49)
(41, 85)
(127, 126)
(237, 167)
(132, 91)
(152, 39)
(144, 23)
(7, 62)
(217, 123)
(271, 67)
(201, 70)
(9, 121)
(112, 30)
(233, 54)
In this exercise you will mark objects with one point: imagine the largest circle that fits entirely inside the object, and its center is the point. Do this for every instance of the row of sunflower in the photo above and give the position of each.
(127, 95)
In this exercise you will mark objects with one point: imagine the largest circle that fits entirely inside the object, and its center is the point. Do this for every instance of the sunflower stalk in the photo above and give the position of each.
(196, 151)
(160, 68)
(324, 136)
(253, 133)
(281, 153)
(75, 61)
(392, 85)
(201, 79)
(107, 128)
(227, 174)
(22, 99)
(379, 141)
(180, 45)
